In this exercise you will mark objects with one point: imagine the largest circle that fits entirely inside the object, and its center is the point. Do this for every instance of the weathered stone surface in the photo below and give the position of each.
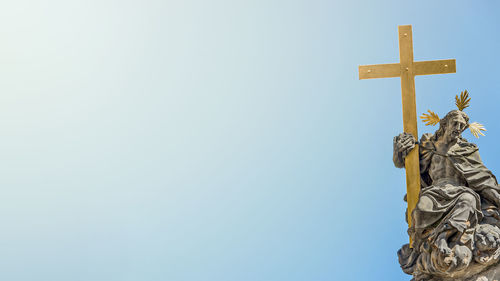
(489, 274)
(455, 225)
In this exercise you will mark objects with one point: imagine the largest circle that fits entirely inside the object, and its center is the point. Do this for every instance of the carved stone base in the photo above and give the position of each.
(490, 274)
(477, 255)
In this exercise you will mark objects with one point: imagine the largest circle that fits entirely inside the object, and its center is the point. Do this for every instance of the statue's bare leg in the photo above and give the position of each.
(442, 242)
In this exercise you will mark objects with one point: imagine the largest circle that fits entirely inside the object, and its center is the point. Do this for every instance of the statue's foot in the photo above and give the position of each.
(443, 247)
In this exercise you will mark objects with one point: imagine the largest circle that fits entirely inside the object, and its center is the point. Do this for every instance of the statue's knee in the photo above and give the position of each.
(468, 199)
(424, 203)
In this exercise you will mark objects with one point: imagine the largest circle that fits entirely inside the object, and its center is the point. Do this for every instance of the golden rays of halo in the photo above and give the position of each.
(430, 119)
(464, 100)
(476, 129)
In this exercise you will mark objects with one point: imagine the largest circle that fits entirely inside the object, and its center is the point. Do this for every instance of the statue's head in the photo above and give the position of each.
(453, 124)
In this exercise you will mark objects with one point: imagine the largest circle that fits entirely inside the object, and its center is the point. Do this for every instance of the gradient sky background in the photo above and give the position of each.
(220, 140)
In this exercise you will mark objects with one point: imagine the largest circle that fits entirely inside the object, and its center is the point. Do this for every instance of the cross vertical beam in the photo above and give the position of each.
(412, 163)
(406, 69)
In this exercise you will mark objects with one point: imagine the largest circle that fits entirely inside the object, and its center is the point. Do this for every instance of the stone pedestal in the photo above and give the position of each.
(491, 274)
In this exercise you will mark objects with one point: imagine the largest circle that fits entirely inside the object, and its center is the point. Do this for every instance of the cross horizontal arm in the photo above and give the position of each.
(379, 71)
(434, 67)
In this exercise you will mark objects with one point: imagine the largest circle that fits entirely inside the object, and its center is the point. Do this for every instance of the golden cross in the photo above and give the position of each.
(407, 69)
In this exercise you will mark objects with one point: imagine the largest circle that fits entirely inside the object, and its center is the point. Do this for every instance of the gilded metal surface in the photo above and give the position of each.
(476, 129)
(430, 119)
(379, 71)
(434, 67)
(462, 102)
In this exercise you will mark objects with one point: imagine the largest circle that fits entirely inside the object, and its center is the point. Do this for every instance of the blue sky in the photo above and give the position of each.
(220, 140)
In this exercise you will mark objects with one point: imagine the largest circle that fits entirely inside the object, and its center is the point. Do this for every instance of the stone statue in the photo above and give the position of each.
(455, 225)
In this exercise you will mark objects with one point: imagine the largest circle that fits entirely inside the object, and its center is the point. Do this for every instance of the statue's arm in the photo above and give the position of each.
(402, 145)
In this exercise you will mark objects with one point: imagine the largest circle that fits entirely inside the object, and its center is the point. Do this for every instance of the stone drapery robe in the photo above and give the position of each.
(430, 221)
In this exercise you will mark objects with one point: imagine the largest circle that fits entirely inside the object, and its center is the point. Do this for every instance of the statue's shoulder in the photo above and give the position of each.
(465, 143)
(463, 148)
(426, 137)
(426, 141)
